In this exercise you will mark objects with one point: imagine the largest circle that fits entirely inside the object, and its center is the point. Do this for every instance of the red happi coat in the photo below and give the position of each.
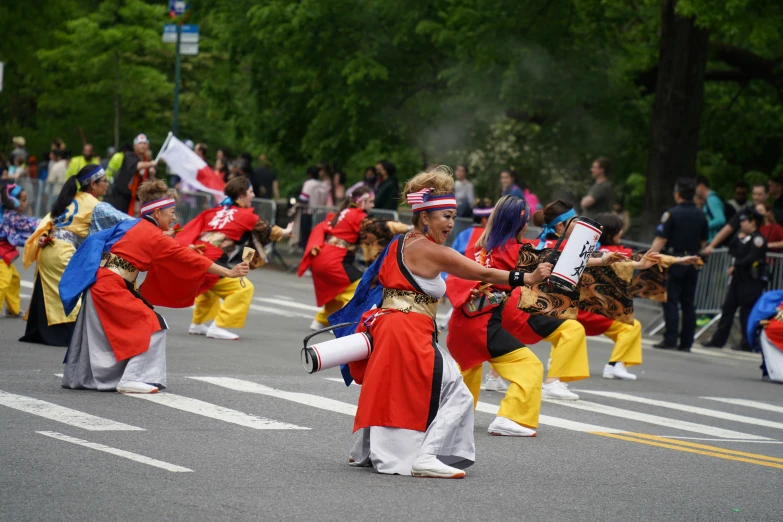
(174, 275)
(332, 266)
(231, 221)
(401, 380)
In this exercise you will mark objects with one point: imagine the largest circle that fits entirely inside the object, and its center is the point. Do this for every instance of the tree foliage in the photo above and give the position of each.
(543, 86)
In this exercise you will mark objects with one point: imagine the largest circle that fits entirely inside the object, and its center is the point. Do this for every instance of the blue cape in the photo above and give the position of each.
(365, 298)
(82, 269)
(765, 307)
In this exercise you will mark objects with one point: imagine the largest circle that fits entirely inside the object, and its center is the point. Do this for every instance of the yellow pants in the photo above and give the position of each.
(335, 304)
(628, 342)
(232, 312)
(569, 353)
(10, 288)
(523, 370)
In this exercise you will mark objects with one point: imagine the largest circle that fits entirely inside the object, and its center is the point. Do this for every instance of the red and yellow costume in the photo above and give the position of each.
(215, 233)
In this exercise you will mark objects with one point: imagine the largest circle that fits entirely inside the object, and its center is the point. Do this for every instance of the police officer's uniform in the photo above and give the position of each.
(747, 284)
(684, 227)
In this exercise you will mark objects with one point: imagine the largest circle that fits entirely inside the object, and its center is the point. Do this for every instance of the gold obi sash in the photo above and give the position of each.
(119, 266)
(406, 301)
(340, 243)
(218, 239)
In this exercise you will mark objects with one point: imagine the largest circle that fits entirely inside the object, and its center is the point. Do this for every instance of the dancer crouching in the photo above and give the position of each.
(119, 340)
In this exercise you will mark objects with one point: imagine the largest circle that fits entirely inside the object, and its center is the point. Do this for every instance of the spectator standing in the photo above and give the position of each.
(759, 197)
(389, 188)
(713, 206)
(110, 152)
(338, 187)
(115, 161)
(740, 199)
(264, 180)
(748, 278)
(776, 191)
(463, 192)
(771, 230)
(79, 162)
(369, 179)
(600, 198)
(512, 185)
(221, 169)
(137, 167)
(16, 170)
(19, 149)
(58, 169)
(682, 232)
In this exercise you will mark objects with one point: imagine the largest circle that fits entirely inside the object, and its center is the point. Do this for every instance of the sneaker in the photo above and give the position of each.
(496, 384)
(428, 466)
(216, 332)
(608, 371)
(507, 428)
(558, 390)
(9, 315)
(315, 325)
(198, 329)
(136, 387)
(620, 372)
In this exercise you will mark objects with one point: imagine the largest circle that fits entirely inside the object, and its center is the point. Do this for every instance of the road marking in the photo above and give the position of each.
(680, 446)
(277, 311)
(690, 409)
(62, 414)
(114, 451)
(284, 297)
(728, 440)
(341, 381)
(290, 304)
(26, 284)
(553, 421)
(307, 399)
(704, 446)
(656, 420)
(748, 403)
(60, 375)
(215, 412)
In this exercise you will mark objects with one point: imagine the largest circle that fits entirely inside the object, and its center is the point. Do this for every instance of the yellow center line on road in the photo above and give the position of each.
(688, 448)
(705, 446)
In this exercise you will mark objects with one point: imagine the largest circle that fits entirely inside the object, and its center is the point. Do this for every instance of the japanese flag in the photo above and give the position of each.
(187, 165)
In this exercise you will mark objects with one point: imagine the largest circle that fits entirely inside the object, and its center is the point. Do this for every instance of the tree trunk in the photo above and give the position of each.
(679, 96)
(116, 102)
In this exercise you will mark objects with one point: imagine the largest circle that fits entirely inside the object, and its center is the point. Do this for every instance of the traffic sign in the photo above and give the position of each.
(188, 48)
(178, 7)
(189, 34)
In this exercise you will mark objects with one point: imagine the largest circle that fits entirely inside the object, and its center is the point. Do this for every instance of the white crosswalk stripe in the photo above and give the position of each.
(690, 409)
(62, 414)
(750, 404)
(289, 304)
(114, 451)
(213, 411)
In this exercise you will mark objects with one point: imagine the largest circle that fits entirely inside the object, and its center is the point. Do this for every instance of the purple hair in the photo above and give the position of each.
(506, 221)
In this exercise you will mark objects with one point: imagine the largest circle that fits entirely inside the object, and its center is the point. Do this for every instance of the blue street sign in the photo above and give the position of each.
(178, 7)
(189, 33)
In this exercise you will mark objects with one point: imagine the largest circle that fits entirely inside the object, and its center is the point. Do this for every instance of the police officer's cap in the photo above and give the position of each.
(750, 213)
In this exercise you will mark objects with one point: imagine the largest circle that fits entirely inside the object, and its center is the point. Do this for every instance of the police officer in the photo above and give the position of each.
(683, 231)
(748, 277)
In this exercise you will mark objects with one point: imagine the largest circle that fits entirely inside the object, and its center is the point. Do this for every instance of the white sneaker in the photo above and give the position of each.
(216, 332)
(429, 466)
(620, 372)
(558, 390)
(315, 325)
(508, 428)
(495, 384)
(136, 387)
(198, 329)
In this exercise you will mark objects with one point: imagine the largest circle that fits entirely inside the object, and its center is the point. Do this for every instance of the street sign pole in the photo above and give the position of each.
(175, 124)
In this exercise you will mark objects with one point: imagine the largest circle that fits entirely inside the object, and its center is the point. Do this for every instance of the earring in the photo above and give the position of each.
(426, 228)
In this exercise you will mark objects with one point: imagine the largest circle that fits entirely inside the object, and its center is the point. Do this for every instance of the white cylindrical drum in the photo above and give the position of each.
(578, 250)
(348, 349)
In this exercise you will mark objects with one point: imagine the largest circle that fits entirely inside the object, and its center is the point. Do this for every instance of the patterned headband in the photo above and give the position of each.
(422, 201)
(481, 212)
(155, 204)
(13, 190)
(93, 175)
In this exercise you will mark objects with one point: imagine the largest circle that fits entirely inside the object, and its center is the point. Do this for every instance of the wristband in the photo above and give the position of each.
(516, 278)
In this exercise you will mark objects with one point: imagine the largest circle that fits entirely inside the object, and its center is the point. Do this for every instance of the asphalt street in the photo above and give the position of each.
(243, 433)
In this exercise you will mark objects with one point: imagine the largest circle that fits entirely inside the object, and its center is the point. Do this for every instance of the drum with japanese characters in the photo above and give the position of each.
(578, 250)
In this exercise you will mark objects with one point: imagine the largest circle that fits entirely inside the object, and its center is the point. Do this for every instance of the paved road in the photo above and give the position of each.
(243, 433)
